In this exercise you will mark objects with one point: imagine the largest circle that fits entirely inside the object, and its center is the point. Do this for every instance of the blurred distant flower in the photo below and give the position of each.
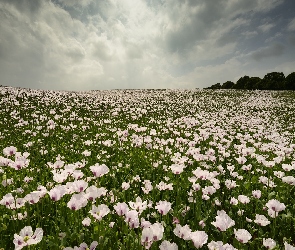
(86, 222)
(269, 243)
(84, 246)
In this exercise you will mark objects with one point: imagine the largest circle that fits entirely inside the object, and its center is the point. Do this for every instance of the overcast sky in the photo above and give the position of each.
(117, 44)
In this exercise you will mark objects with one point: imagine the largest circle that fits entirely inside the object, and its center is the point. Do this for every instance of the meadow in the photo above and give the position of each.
(147, 169)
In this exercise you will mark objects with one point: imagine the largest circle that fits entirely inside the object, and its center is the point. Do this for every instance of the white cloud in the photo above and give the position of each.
(266, 27)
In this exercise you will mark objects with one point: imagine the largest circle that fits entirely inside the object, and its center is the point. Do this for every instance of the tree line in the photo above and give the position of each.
(271, 81)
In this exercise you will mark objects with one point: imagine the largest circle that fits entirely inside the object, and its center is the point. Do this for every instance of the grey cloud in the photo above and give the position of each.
(227, 38)
(266, 27)
(291, 25)
(291, 40)
(273, 50)
(25, 5)
(194, 21)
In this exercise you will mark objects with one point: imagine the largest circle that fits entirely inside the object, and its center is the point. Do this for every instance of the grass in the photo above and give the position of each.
(223, 143)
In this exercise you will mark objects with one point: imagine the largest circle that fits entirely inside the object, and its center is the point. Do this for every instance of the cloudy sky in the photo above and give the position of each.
(117, 44)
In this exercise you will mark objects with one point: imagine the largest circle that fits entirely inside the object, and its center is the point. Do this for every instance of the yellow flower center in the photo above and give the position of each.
(26, 238)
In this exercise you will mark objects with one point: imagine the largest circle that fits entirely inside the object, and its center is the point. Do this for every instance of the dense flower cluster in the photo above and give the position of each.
(173, 169)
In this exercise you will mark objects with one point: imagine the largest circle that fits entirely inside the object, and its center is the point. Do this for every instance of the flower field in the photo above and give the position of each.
(147, 169)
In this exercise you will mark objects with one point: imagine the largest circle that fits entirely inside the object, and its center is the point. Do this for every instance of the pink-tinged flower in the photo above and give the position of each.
(138, 205)
(175, 220)
(261, 220)
(125, 185)
(9, 151)
(208, 190)
(275, 205)
(256, 194)
(242, 235)
(84, 246)
(26, 237)
(183, 232)
(287, 167)
(93, 192)
(202, 224)
(199, 238)
(77, 201)
(289, 179)
(144, 223)
(59, 177)
(99, 170)
(132, 219)
(223, 221)
(86, 153)
(230, 184)
(177, 169)
(80, 185)
(158, 230)
(17, 165)
(269, 243)
(121, 208)
(163, 207)
(7, 200)
(57, 192)
(233, 201)
(241, 159)
(196, 186)
(152, 233)
(248, 220)
(86, 222)
(98, 212)
(166, 245)
(288, 246)
(33, 197)
(201, 174)
(215, 245)
(228, 247)
(243, 199)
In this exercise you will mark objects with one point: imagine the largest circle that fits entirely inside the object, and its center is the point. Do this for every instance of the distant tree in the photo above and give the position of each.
(252, 82)
(271, 81)
(290, 81)
(215, 86)
(242, 82)
(274, 81)
(259, 85)
(227, 85)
